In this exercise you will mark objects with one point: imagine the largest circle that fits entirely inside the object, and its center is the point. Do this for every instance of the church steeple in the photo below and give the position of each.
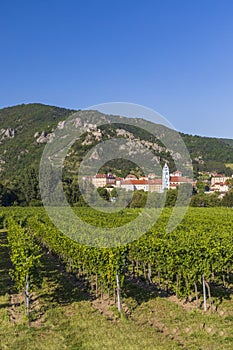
(165, 178)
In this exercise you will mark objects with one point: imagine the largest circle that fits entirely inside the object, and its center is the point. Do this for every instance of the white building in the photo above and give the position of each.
(219, 179)
(165, 178)
(133, 185)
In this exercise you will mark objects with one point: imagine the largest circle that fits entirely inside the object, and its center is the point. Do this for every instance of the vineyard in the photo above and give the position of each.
(192, 264)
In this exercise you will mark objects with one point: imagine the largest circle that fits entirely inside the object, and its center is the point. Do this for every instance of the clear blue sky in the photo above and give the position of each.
(175, 56)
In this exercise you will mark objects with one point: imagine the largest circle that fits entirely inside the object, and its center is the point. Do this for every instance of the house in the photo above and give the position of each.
(176, 181)
(219, 178)
(220, 187)
(155, 185)
(135, 185)
(118, 182)
(102, 180)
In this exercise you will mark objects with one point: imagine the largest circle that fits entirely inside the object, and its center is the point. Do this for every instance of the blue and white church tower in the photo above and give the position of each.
(165, 178)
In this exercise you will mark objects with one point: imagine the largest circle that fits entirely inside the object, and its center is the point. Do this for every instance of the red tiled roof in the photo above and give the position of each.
(180, 179)
(135, 182)
(100, 176)
(155, 182)
(104, 176)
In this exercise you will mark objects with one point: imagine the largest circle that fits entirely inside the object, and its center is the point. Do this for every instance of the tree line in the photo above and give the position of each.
(25, 191)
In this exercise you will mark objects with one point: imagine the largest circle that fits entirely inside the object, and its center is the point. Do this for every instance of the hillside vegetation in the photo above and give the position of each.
(72, 306)
(25, 130)
(27, 120)
(22, 150)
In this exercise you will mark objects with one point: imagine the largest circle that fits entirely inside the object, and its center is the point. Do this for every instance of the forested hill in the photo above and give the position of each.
(228, 141)
(210, 153)
(18, 127)
(25, 129)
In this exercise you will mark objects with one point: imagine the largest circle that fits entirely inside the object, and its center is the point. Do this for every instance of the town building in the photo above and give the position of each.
(165, 178)
(220, 187)
(135, 185)
(219, 178)
(176, 181)
(146, 183)
(102, 180)
(155, 185)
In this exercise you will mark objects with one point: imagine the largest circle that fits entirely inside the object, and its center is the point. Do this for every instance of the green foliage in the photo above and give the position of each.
(103, 192)
(208, 148)
(121, 168)
(202, 186)
(25, 255)
(171, 198)
(114, 193)
(138, 200)
(227, 200)
(30, 186)
(20, 156)
(22, 151)
(206, 200)
(201, 245)
(8, 196)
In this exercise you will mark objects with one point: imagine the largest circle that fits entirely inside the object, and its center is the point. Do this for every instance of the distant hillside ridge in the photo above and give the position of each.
(26, 128)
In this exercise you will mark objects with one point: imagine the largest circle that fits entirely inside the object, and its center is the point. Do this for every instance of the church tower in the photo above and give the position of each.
(165, 178)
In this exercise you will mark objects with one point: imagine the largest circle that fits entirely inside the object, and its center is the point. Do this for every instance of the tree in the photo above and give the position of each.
(227, 200)
(103, 192)
(171, 198)
(114, 193)
(71, 189)
(138, 200)
(230, 183)
(7, 196)
(30, 185)
(205, 200)
(201, 186)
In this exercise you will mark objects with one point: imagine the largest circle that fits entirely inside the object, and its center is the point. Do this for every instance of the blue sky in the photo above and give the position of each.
(175, 56)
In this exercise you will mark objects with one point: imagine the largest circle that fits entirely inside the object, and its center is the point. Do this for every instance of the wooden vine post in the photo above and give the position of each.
(118, 294)
(27, 296)
(204, 292)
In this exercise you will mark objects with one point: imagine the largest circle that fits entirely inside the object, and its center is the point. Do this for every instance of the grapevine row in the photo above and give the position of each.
(199, 250)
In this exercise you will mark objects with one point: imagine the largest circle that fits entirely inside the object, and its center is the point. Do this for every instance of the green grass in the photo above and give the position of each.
(79, 326)
(192, 328)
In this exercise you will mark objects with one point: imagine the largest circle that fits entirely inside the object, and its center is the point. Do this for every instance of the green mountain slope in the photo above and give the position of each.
(209, 148)
(228, 141)
(22, 150)
(209, 153)
(22, 125)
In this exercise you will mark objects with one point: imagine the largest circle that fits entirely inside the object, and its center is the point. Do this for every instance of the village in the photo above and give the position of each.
(216, 183)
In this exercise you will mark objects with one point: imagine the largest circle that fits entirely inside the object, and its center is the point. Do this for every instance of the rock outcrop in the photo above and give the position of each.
(7, 133)
(44, 137)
